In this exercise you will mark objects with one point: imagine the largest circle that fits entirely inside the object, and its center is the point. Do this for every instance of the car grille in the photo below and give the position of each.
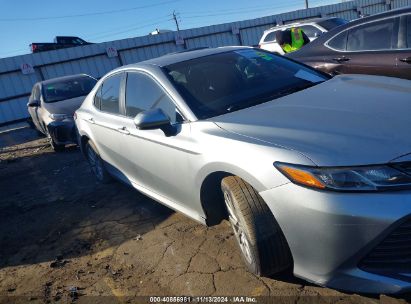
(393, 254)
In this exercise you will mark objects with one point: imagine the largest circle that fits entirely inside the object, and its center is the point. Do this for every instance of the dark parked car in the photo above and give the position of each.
(60, 42)
(380, 44)
(52, 104)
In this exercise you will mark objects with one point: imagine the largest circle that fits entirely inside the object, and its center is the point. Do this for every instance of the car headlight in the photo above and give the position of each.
(362, 178)
(60, 117)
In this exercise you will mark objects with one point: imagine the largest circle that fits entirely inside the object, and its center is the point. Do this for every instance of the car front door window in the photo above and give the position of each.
(143, 93)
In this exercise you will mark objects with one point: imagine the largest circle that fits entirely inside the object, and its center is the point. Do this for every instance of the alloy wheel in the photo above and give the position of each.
(238, 228)
(95, 163)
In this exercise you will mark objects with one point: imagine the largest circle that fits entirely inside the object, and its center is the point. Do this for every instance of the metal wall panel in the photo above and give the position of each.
(300, 17)
(348, 15)
(400, 3)
(12, 84)
(215, 40)
(373, 9)
(252, 35)
(143, 53)
(14, 109)
(94, 66)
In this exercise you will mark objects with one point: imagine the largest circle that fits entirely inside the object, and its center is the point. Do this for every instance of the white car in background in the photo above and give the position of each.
(313, 28)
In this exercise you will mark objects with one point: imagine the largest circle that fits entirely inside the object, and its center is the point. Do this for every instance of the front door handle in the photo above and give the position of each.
(406, 60)
(123, 130)
(341, 59)
(91, 120)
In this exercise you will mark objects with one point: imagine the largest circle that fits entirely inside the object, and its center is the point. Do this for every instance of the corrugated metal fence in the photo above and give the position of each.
(93, 59)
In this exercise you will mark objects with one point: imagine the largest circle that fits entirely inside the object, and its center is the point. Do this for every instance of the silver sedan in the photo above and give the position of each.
(52, 104)
(313, 172)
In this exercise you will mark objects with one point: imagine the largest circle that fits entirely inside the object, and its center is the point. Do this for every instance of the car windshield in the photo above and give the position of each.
(329, 24)
(67, 89)
(225, 82)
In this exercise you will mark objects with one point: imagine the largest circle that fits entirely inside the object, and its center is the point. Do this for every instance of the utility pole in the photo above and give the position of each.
(176, 21)
(306, 4)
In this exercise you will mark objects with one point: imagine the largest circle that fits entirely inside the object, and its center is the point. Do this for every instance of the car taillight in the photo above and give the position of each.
(33, 47)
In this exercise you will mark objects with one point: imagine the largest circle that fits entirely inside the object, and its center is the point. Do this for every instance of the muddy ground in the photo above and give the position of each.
(65, 238)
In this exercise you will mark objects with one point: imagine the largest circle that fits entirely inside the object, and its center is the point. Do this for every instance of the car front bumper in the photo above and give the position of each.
(332, 235)
(63, 132)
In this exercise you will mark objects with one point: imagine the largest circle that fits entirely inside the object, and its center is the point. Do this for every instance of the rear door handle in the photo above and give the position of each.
(123, 130)
(406, 60)
(341, 59)
(91, 120)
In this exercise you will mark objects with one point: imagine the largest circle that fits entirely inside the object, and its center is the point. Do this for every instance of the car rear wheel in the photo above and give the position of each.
(96, 163)
(262, 243)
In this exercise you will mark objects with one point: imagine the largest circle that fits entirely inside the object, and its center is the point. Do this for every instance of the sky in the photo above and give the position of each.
(25, 21)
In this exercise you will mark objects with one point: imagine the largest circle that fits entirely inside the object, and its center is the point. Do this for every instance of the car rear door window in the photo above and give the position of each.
(110, 91)
(339, 42)
(270, 37)
(373, 36)
(311, 31)
(143, 93)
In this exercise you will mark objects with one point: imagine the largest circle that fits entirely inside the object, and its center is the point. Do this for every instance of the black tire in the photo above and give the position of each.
(96, 163)
(56, 147)
(262, 243)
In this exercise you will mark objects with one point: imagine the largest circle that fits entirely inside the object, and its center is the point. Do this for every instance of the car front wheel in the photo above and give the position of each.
(262, 243)
(96, 163)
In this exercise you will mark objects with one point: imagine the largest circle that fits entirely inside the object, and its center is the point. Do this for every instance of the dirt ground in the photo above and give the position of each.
(66, 238)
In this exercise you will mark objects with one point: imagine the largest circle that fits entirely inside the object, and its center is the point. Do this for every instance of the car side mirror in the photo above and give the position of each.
(33, 103)
(151, 119)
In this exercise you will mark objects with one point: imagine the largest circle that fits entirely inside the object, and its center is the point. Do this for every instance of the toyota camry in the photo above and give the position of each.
(312, 172)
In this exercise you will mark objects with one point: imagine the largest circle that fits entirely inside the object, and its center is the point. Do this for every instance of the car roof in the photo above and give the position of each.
(63, 78)
(333, 32)
(386, 14)
(183, 56)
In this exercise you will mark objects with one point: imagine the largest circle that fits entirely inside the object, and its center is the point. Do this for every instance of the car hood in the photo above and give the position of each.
(67, 106)
(348, 120)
